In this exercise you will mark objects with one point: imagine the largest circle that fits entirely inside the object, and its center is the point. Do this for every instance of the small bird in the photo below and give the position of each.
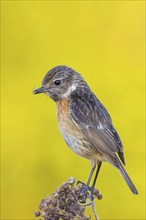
(84, 122)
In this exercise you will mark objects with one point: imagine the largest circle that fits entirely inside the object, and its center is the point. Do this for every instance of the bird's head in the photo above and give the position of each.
(60, 82)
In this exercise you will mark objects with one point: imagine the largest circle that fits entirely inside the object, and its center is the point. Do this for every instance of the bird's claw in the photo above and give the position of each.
(87, 191)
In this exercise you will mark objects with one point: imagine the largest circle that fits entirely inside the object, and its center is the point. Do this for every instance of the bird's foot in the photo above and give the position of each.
(83, 189)
(87, 191)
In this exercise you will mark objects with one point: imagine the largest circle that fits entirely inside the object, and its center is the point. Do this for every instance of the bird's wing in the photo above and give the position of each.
(93, 120)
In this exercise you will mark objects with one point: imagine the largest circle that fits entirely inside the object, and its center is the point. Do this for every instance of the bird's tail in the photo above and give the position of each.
(126, 178)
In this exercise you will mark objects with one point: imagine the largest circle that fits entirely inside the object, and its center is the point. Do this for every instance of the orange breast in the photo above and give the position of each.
(63, 115)
(64, 120)
(62, 107)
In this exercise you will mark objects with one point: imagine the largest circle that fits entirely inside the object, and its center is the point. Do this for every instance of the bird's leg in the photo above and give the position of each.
(90, 176)
(96, 175)
(86, 187)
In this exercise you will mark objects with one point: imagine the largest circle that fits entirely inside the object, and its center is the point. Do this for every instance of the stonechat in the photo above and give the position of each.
(84, 122)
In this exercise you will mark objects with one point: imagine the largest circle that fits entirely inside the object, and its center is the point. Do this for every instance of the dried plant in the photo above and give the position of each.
(68, 202)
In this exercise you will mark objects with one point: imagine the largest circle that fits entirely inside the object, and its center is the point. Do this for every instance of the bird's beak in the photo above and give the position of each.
(39, 90)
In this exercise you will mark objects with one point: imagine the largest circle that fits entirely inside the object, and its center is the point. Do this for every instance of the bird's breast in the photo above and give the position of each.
(70, 132)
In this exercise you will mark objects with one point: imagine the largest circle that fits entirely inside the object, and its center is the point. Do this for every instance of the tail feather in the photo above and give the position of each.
(127, 178)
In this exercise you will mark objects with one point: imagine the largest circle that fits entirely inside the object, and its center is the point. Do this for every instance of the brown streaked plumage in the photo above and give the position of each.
(84, 122)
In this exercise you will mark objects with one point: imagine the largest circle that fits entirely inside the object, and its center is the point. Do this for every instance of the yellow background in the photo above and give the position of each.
(104, 41)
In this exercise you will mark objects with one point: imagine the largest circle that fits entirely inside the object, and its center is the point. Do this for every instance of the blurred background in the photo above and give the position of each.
(102, 40)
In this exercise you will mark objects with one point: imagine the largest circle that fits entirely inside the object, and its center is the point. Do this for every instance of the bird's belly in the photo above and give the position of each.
(76, 142)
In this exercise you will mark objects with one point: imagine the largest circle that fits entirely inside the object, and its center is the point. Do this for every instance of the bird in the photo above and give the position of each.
(84, 122)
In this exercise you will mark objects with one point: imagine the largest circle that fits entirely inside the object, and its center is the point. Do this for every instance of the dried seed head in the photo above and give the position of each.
(48, 199)
(82, 208)
(80, 185)
(54, 202)
(37, 213)
(71, 180)
(65, 186)
(43, 214)
(51, 206)
(55, 194)
(99, 196)
(58, 190)
(43, 205)
(63, 197)
(65, 202)
(61, 205)
(73, 191)
(77, 188)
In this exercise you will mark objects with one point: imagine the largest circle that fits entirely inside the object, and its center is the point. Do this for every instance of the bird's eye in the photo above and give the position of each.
(57, 82)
